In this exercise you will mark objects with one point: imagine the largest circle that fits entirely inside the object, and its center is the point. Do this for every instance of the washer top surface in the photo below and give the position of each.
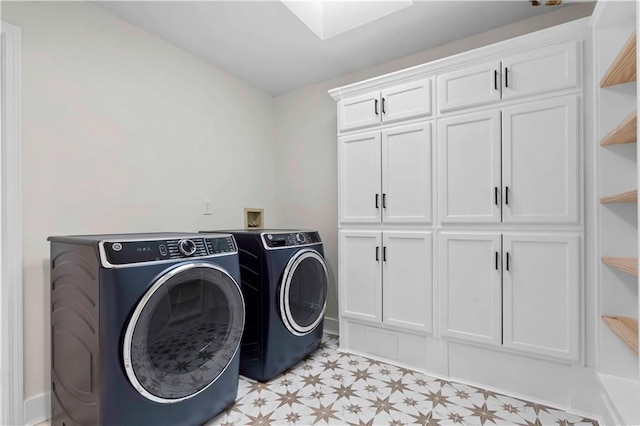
(96, 238)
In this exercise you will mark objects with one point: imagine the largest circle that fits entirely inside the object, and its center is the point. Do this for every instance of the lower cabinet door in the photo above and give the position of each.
(360, 275)
(470, 286)
(407, 292)
(541, 294)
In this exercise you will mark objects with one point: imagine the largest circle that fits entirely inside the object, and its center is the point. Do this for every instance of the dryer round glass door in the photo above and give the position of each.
(184, 332)
(303, 292)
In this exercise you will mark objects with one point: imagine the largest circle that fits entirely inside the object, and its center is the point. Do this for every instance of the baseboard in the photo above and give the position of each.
(331, 326)
(37, 409)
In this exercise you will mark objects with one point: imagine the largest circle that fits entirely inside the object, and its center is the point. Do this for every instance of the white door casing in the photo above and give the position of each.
(11, 304)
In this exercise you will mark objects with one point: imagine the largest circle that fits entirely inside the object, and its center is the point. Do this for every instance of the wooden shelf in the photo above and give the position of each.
(625, 328)
(625, 132)
(625, 264)
(623, 197)
(623, 68)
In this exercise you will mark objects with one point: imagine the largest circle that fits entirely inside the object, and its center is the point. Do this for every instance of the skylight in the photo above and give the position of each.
(329, 18)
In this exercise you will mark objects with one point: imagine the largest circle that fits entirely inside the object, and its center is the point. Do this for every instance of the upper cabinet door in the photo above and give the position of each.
(469, 86)
(360, 178)
(406, 101)
(360, 275)
(540, 161)
(540, 70)
(470, 286)
(406, 174)
(541, 281)
(469, 168)
(407, 280)
(360, 111)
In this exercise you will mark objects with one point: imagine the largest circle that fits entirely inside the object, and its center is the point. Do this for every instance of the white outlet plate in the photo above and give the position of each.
(207, 206)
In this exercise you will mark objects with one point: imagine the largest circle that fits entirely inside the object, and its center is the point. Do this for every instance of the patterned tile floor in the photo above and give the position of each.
(330, 387)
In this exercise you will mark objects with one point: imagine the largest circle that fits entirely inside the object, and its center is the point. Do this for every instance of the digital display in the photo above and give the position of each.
(132, 252)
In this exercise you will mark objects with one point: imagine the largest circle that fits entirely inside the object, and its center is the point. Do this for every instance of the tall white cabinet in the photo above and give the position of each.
(614, 27)
(461, 214)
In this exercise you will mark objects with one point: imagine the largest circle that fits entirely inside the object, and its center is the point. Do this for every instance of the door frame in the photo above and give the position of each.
(11, 305)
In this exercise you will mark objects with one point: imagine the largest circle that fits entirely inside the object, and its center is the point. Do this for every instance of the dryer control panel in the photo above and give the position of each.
(127, 252)
(289, 239)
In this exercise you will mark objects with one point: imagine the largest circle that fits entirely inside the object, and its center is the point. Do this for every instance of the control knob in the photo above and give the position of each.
(300, 238)
(187, 247)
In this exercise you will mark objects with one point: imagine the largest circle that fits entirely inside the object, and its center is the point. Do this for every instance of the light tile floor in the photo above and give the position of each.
(330, 387)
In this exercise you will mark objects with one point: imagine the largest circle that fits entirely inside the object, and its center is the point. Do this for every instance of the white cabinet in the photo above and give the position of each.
(540, 161)
(359, 160)
(471, 293)
(402, 102)
(529, 73)
(385, 277)
(541, 294)
(386, 176)
(469, 166)
(469, 86)
(360, 276)
(406, 280)
(521, 291)
(515, 165)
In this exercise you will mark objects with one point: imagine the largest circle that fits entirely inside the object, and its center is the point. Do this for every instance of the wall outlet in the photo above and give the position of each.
(207, 206)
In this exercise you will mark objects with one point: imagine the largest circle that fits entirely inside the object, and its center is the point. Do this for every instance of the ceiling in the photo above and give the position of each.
(266, 45)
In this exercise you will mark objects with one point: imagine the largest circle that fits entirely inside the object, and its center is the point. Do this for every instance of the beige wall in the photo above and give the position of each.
(306, 125)
(123, 132)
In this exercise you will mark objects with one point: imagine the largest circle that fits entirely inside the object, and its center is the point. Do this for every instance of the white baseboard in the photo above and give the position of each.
(37, 409)
(331, 326)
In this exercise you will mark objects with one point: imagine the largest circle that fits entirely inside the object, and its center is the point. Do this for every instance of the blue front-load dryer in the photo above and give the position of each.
(284, 282)
(145, 328)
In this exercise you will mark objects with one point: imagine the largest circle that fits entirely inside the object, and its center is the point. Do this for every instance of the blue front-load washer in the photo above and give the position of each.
(284, 281)
(145, 328)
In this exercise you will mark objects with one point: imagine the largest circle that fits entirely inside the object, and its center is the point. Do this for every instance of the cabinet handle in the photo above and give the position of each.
(508, 261)
(384, 253)
(376, 107)
(495, 195)
(377, 253)
(377, 201)
(384, 201)
(495, 79)
(497, 256)
(383, 111)
(506, 195)
(506, 77)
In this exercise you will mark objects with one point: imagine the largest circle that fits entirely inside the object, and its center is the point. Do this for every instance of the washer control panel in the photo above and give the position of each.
(289, 239)
(139, 251)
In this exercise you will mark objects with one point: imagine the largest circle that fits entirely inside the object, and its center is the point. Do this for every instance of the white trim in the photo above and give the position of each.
(37, 409)
(331, 326)
(11, 361)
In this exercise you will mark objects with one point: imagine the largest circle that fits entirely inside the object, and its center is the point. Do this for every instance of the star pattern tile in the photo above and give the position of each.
(336, 388)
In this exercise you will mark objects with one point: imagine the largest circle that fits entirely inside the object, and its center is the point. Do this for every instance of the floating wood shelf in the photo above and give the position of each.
(623, 197)
(623, 68)
(625, 328)
(625, 264)
(625, 132)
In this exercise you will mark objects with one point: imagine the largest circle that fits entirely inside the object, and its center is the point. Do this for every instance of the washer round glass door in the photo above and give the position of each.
(184, 332)
(303, 292)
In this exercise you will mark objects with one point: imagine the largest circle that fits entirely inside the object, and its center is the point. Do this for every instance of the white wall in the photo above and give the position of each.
(123, 132)
(306, 127)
